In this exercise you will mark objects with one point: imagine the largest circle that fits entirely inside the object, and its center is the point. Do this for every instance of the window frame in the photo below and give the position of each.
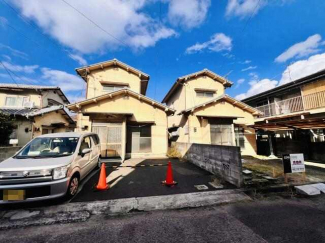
(16, 97)
(205, 94)
(89, 137)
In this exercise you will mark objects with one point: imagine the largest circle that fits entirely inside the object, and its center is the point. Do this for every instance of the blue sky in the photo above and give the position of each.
(260, 44)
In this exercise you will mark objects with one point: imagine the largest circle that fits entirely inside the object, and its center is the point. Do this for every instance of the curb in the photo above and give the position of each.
(79, 212)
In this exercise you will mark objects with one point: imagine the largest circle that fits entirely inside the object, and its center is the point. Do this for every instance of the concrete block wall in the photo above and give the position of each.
(223, 161)
(6, 152)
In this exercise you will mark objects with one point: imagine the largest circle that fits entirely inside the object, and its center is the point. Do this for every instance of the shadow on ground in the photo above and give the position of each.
(145, 181)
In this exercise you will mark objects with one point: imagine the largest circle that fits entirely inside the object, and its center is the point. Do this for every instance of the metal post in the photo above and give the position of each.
(270, 144)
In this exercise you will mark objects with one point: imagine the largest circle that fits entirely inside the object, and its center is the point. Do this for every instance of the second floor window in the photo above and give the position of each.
(111, 88)
(204, 94)
(16, 101)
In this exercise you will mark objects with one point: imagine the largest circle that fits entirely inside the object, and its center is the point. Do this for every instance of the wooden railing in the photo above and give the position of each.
(315, 100)
(307, 102)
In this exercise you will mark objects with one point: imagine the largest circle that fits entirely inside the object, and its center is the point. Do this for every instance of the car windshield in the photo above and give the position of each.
(49, 147)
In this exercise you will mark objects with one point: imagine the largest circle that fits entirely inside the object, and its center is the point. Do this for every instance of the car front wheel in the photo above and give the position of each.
(73, 186)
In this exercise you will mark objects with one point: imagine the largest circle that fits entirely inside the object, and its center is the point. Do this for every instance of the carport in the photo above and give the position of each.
(142, 178)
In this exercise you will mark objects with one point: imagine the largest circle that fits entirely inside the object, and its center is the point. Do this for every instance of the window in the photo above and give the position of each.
(111, 88)
(96, 139)
(204, 94)
(49, 147)
(85, 144)
(221, 134)
(51, 102)
(16, 101)
(239, 136)
(139, 139)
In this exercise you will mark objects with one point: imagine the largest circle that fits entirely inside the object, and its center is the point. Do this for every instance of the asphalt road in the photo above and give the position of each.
(271, 220)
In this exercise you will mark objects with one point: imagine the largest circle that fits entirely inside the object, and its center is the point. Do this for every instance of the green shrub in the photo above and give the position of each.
(6, 128)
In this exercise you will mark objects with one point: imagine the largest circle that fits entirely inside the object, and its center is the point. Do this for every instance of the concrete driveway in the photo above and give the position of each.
(142, 177)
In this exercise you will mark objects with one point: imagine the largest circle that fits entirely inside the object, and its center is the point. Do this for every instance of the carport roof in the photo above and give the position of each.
(227, 98)
(76, 106)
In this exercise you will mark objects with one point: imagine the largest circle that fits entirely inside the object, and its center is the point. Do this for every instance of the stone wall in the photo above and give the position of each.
(223, 161)
(6, 152)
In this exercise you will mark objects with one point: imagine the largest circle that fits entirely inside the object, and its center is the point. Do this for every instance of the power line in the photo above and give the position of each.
(93, 22)
(251, 16)
(34, 26)
(7, 70)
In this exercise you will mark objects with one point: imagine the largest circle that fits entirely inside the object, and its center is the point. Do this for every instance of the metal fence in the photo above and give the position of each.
(282, 107)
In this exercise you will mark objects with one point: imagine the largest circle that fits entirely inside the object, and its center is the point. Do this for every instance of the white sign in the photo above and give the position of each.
(297, 163)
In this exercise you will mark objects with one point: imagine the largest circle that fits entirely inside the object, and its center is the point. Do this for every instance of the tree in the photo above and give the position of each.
(6, 128)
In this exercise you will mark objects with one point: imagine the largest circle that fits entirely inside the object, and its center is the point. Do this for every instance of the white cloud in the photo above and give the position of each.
(120, 18)
(218, 42)
(239, 82)
(14, 52)
(249, 68)
(8, 58)
(244, 8)
(258, 87)
(78, 59)
(66, 81)
(301, 49)
(19, 68)
(303, 68)
(76, 98)
(245, 62)
(19, 79)
(293, 72)
(188, 13)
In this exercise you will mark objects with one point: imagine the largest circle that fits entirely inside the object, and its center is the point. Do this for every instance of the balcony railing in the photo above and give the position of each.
(282, 107)
(315, 100)
(307, 102)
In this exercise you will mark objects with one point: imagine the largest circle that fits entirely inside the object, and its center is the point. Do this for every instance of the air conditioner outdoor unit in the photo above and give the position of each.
(29, 104)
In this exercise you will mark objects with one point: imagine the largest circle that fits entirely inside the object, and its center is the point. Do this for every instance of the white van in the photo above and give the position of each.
(49, 166)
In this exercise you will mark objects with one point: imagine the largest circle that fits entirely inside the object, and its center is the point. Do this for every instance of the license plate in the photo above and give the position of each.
(13, 195)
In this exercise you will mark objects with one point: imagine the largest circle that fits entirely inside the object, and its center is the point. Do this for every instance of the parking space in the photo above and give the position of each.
(143, 177)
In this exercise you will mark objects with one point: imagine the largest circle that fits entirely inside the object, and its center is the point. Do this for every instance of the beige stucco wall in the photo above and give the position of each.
(34, 97)
(50, 94)
(46, 120)
(110, 74)
(23, 131)
(185, 96)
(40, 100)
(142, 112)
(202, 126)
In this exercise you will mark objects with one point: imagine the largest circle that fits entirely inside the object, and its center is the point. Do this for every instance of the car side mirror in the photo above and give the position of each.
(85, 151)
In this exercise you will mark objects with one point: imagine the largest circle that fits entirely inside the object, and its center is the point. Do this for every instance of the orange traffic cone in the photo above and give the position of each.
(169, 177)
(102, 184)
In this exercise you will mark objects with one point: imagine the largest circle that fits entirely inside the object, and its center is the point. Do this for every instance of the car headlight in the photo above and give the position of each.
(60, 172)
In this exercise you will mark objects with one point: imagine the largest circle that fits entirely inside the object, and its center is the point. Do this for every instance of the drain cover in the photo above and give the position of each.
(201, 187)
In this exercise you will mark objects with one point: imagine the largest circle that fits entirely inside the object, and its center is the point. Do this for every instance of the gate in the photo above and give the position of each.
(110, 135)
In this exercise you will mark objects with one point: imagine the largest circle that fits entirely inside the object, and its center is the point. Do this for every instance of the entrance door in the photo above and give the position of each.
(110, 135)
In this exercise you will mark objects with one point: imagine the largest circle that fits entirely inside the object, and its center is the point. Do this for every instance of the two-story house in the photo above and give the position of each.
(205, 114)
(293, 119)
(36, 110)
(128, 123)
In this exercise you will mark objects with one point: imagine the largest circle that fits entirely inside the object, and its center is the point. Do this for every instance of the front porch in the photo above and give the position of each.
(121, 137)
(129, 125)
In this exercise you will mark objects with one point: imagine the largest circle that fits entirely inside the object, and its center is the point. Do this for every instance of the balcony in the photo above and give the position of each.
(296, 104)
(282, 107)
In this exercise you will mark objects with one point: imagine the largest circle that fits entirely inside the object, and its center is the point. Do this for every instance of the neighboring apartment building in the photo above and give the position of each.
(37, 110)
(128, 123)
(206, 115)
(293, 119)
